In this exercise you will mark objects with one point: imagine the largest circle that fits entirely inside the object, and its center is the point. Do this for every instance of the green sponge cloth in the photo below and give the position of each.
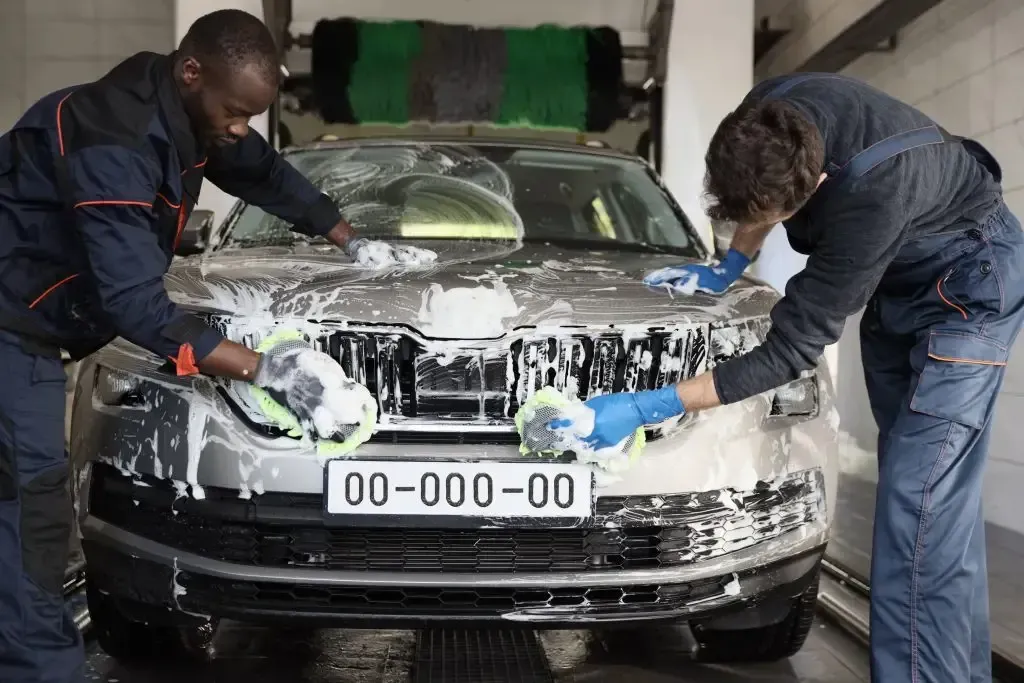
(283, 418)
(549, 404)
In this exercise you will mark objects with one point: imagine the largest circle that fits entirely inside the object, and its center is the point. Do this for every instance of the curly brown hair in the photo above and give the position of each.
(764, 160)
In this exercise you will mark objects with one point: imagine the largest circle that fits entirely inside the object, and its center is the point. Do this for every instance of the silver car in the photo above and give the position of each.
(195, 506)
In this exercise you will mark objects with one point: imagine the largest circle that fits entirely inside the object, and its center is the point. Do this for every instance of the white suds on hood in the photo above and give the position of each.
(467, 312)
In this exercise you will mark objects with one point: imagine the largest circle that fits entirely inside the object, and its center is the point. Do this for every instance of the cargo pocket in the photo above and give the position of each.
(46, 514)
(47, 369)
(959, 377)
(8, 464)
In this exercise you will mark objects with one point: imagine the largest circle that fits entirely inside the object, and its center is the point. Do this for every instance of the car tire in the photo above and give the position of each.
(130, 641)
(763, 644)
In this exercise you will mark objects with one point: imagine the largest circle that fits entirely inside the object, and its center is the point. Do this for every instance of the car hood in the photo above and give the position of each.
(475, 290)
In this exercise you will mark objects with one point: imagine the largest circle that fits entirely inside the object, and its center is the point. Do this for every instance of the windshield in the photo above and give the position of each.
(483, 192)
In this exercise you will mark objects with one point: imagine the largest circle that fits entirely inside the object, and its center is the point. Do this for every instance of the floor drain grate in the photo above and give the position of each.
(479, 656)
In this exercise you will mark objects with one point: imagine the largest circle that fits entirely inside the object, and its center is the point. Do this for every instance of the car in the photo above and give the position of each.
(194, 506)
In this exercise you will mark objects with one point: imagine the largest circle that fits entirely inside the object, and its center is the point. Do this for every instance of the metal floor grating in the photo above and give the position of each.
(479, 656)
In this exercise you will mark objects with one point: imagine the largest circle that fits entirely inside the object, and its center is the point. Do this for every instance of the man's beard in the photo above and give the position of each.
(219, 140)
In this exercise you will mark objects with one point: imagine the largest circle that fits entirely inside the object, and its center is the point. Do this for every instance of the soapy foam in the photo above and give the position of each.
(379, 254)
(465, 312)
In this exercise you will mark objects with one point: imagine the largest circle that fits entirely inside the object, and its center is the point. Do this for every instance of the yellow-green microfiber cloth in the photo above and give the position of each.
(537, 439)
(352, 401)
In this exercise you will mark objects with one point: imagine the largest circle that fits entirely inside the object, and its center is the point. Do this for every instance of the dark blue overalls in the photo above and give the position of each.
(935, 339)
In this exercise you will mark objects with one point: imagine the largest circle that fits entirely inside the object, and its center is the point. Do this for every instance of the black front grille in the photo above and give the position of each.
(217, 528)
(288, 530)
(217, 595)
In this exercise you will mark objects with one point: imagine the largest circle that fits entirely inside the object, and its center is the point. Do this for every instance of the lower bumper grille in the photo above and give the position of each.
(288, 530)
(210, 592)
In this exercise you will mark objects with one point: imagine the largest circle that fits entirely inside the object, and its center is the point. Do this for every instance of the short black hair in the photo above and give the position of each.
(764, 159)
(232, 39)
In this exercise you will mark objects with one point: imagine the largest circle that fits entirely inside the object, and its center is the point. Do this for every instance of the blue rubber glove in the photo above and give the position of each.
(616, 416)
(712, 279)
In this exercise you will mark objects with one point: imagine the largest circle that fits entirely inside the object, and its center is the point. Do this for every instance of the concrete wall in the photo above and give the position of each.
(961, 63)
(49, 44)
(812, 24)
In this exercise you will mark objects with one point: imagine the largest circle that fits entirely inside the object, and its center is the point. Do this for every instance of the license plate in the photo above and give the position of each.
(459, 489)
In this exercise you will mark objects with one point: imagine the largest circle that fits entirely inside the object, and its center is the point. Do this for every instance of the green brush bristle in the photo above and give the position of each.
(379, 86)
(534, 95)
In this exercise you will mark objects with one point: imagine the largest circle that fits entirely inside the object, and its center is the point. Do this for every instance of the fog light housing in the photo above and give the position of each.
(117, 388)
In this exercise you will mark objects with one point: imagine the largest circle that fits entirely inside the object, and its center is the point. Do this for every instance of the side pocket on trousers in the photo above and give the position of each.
(46, 528)
(8, 463)
(949, 299)
(960, 378)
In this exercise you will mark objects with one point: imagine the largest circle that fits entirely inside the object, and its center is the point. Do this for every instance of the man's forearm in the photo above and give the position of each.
(749, 239)
(231, 360)
(698, 393)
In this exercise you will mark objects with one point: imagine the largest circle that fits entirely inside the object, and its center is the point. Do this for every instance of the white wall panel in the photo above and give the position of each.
(628, 16)
(710, 69)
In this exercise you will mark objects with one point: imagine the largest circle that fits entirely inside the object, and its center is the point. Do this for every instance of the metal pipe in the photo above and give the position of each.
(840, 604)
(839, 598)
(846, 577)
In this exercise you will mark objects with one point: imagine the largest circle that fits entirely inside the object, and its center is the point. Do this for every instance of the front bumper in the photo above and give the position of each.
(255, 560)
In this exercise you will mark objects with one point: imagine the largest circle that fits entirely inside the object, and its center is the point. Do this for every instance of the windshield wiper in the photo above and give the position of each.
(593, 243)
(279, 241)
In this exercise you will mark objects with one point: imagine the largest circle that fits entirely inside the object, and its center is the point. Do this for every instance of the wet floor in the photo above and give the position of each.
(662, 655)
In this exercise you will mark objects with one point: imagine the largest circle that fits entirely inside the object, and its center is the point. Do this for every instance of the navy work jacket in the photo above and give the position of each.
(97, 182)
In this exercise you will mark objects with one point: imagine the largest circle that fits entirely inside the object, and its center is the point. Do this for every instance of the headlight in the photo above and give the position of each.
(117, 388)
(796, 399)
(245, 406)
(237, 394)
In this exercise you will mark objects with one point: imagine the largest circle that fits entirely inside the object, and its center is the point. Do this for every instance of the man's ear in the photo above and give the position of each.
(191, 72)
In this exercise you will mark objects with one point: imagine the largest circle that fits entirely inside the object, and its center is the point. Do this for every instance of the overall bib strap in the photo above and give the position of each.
(885, 149)
(791, 82)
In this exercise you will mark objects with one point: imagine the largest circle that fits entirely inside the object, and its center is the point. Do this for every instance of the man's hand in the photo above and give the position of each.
(616, 416)
(314, 388)
(375, 253)
(712, 279)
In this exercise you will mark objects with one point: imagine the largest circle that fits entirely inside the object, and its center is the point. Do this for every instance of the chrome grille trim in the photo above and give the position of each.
(489, 379)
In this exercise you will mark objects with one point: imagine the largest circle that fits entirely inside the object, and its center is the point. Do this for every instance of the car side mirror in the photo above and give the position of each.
(723, 232)
(196, 233)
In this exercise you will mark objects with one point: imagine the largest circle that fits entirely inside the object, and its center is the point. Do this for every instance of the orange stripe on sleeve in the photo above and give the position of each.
(114, 202)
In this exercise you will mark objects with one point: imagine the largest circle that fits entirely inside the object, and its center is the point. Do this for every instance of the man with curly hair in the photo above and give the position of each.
(902, 219)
